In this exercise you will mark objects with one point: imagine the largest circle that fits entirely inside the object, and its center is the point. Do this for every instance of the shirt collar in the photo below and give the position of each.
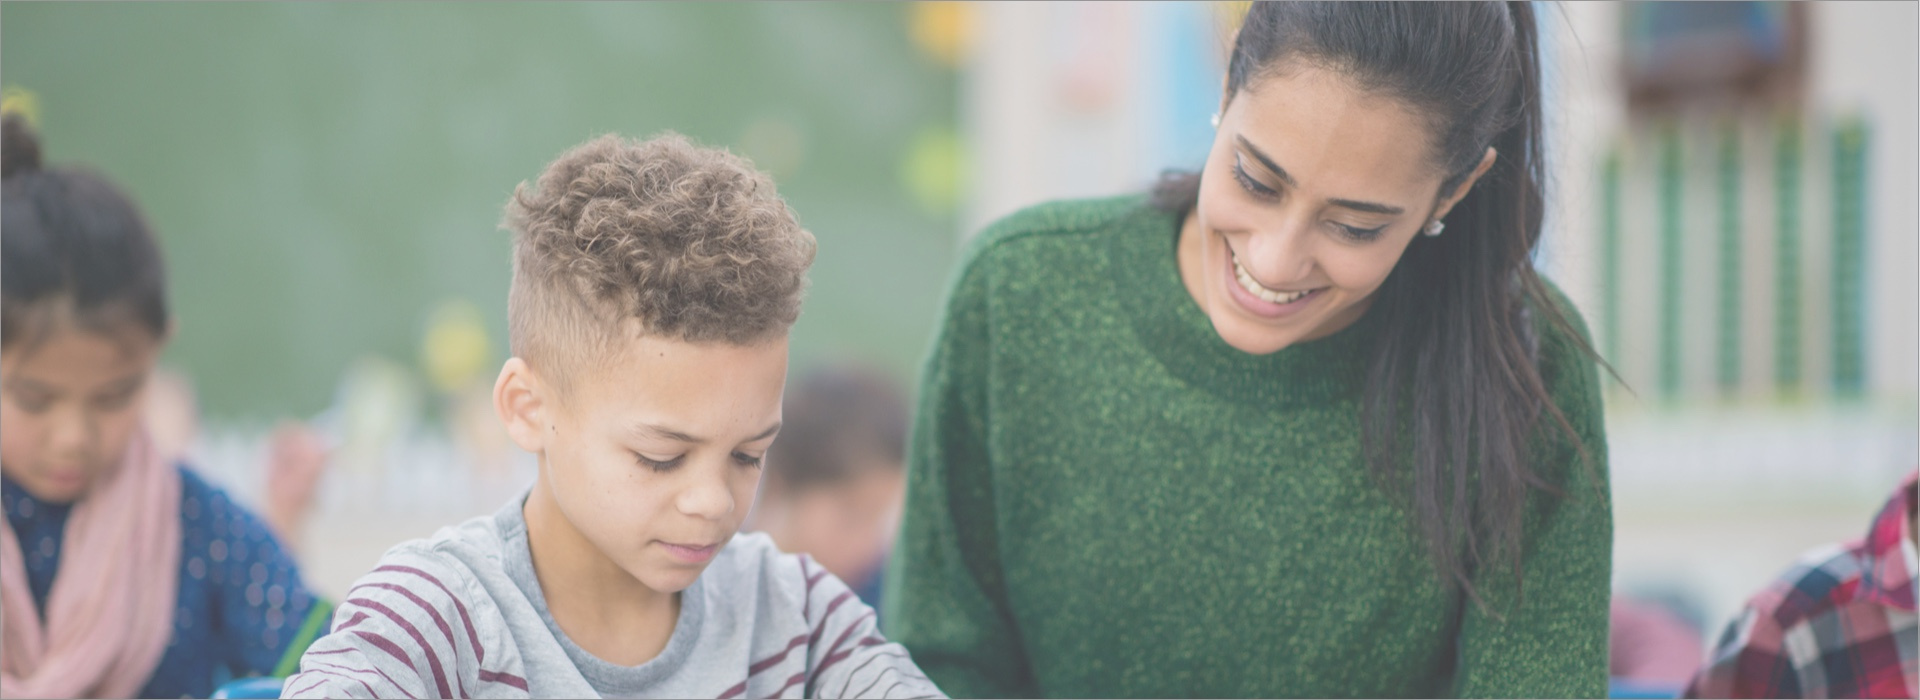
(1889, 566)
(23, 510)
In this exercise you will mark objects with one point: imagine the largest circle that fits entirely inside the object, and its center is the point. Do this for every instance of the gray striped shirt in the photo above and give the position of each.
(461, 614)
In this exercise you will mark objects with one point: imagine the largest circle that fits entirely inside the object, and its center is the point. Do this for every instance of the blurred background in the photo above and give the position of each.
(1733, 210)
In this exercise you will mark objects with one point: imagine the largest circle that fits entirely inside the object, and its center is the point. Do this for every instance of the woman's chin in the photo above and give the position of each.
(1251, 338)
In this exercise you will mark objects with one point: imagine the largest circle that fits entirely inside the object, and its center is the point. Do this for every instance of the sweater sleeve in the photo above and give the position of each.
(945, 598)
(1548, 637)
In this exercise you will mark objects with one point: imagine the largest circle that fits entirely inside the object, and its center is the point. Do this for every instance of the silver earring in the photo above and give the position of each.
(1216, 120)
(1434, 229)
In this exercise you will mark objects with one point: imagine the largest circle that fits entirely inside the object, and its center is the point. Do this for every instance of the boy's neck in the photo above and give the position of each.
(600, 607)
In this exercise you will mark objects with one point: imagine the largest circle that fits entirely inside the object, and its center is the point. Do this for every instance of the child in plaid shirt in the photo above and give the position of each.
(1841, 623)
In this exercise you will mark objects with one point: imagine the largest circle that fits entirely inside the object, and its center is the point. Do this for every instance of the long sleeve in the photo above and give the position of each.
(945, 598)
(1549, 638)
(265, 613)
(411, 628)
(849, 658)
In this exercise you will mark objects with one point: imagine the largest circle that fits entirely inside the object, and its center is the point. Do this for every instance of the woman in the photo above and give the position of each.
(124, 574)
(1305, 423)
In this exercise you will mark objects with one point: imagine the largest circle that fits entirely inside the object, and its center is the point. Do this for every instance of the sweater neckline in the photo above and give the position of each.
(1144, 270)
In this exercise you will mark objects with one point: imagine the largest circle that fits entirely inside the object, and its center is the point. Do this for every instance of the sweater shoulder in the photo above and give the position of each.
(1067, 220)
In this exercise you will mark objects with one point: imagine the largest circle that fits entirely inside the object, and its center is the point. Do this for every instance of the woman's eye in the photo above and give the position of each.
(659, 465)
(747, 460)
(1247, 182)
(1360, 234)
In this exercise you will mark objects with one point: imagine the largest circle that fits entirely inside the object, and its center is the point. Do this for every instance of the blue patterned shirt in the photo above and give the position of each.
(243, 609)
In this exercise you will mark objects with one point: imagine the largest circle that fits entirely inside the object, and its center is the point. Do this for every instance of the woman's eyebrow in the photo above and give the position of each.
(1356, 205)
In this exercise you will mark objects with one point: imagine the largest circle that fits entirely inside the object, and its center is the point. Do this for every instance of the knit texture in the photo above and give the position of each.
(1107, 500)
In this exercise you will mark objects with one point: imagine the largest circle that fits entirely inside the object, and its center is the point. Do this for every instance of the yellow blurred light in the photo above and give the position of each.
(455, 350)
(23, 102)
(944, 30)
(934, 168)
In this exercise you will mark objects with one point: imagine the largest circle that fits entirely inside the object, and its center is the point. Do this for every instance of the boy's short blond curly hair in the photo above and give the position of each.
(661, 237)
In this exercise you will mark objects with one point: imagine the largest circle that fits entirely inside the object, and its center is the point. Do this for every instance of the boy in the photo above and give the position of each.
(654, 285)
(1839, 624)
(838, 474)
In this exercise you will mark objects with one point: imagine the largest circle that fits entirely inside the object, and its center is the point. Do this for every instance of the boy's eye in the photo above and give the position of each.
(747, 460)
(659, 465)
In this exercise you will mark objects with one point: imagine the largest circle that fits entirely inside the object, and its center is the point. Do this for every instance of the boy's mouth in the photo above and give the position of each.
(691, 554)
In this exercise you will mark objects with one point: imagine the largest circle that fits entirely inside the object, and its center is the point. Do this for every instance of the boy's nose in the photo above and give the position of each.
(707, 498)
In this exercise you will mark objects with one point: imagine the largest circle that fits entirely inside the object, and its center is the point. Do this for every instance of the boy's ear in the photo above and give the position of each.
(520, 399)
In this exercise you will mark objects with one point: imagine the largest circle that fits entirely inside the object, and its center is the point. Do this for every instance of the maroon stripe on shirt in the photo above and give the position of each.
(855, 673)
(502, 677)
(833, 657)
(479, 653)
(796, 679)
(362, 683)
(438, 621)
(763, 665)
(392, 650)
(822, 628)
(433, 660)
(357, 618)
(306, 685)
(768, 662)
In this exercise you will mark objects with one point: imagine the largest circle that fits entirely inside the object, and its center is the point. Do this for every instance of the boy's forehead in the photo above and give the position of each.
(679, 386)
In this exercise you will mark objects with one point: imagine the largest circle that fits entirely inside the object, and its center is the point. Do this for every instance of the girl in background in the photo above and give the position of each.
(122, 574)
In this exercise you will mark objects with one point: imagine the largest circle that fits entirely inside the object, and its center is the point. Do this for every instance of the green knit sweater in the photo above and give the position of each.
(1107, 500)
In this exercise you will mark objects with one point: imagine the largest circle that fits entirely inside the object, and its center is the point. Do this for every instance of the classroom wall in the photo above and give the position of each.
(323, 176)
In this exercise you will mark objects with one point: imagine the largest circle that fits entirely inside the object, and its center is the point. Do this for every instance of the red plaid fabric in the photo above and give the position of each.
(1839, 624)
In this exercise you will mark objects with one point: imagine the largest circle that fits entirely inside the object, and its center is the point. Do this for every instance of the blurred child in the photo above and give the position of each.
(296, 454)
(1651, 646)
(1840, 624)
(124, 574)
(654, 284)
(838, 474)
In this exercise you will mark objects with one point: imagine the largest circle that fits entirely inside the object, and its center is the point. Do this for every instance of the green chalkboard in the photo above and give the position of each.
(323, 175)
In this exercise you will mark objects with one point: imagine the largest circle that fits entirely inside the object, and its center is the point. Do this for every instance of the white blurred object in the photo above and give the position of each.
(378, 403)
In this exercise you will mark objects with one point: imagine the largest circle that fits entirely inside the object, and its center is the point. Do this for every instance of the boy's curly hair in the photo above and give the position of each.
(622, 237)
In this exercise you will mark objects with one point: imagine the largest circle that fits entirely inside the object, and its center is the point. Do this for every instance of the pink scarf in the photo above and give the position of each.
(110, 612)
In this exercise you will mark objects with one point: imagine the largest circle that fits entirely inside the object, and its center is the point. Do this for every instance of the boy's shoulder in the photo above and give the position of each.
(752, 574)
(752, 563)
(421, 623)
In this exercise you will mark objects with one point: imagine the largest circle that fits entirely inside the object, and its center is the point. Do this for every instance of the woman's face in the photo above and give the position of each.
(70, 405)
(1310, 194)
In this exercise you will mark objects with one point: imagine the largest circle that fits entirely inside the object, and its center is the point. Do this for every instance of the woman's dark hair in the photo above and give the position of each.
(1456, 364)
(72, 248)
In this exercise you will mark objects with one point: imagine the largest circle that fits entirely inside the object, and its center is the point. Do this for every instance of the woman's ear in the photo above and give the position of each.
(1460, 192)
(522, 402)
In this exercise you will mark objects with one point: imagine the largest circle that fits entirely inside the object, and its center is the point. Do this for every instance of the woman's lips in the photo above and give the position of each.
(1266, 303)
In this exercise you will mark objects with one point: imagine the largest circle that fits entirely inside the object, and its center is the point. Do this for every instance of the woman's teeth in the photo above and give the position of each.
(1254, 288)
